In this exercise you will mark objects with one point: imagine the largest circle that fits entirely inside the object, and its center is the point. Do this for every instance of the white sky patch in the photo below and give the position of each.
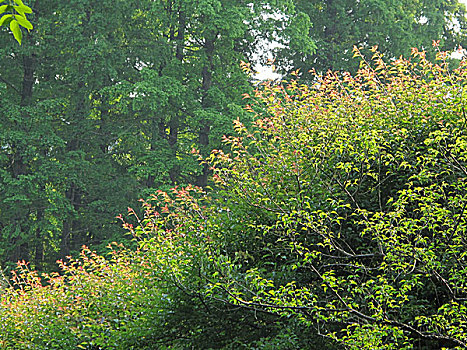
(460, 52)
(266, 72)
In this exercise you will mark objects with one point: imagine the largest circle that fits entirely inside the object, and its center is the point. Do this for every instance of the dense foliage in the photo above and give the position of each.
(395, 26)
(330, 214)
(338, 221)
(351, 197)
(102, 104)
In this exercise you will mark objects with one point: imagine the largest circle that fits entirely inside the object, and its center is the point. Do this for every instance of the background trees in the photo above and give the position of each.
(395, 26)
(103, 103)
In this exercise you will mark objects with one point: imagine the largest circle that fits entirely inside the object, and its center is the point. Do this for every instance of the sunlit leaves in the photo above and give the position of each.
(14, 15)
(360, 183)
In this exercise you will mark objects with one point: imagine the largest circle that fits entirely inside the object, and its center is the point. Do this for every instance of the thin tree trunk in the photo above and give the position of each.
(205, 127)
(19, 167)
(39, 243)
(67, 225)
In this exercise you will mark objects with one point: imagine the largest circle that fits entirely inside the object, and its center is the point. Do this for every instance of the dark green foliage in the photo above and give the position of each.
(394, 26)
(104, 103)
(60, 170)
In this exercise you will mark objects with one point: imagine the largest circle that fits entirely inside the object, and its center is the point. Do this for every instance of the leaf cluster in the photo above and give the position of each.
(13, 14)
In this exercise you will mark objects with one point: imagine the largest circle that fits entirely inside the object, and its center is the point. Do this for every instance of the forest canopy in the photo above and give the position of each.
(103, 102)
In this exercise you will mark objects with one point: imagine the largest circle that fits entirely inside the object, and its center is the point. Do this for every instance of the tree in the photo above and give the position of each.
(395, 26)
(189, 96)
(103, 109)
(57, 138)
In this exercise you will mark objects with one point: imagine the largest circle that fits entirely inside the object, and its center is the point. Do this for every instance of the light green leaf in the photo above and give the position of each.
(23, 22)
(19, 2)
(5, 18)
(14, 26)
(3, 8)
(22, 9)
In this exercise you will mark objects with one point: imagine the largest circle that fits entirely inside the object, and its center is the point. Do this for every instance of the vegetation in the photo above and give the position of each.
(102, 104)
(338, 219)
(351, 198)
(330, 214)
(395, 26)
(13, 14)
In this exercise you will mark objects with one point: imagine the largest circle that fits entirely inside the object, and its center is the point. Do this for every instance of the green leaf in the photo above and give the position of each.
(19, 2)
(5, 18)
(14, 26)
(4, 8)
(23, 22)
(22, 9)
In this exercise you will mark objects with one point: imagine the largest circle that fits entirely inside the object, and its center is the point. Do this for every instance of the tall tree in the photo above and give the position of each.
(395, 26)
(61, 183)
(105, 102)
(189, 97)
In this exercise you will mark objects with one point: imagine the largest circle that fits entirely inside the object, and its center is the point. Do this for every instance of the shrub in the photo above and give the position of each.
(94, 303)
(348, 202)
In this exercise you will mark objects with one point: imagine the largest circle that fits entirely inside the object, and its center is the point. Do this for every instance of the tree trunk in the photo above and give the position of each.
(205, 127)
(67, 225)
(19, 166)
(39, 243)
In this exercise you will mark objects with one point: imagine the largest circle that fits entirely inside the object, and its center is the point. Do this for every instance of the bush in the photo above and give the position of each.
(348, 202)
(94, 303)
